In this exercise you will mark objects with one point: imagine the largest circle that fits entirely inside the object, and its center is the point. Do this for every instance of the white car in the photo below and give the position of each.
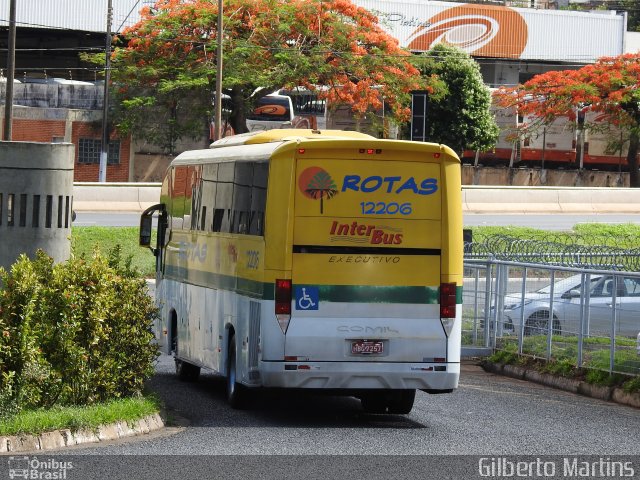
(567, 307)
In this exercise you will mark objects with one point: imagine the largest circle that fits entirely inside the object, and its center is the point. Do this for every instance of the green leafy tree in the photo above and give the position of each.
(461, 118)
(629, 6)
(166, 72)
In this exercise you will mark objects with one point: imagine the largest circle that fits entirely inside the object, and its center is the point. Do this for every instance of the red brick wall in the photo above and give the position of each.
(23, 130)
(89, 172)
(27, 130)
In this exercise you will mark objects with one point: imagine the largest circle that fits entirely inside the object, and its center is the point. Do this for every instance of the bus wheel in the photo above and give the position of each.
(235, 391)
(186, 371)
(401, 401)
(374, 402)
(394, 401)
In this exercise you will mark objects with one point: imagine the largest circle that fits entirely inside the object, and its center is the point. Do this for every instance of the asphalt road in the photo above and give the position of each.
(302, 435)
(545, 222)
(487, 415)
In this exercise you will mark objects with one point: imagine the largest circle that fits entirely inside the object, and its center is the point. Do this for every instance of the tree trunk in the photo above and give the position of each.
(632, 159)
(238, 117)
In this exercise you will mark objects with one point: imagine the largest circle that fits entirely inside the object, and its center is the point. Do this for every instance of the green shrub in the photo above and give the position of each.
(632, 385)
(507, 356)
(73, 333)
(564, 368)
(600, 377)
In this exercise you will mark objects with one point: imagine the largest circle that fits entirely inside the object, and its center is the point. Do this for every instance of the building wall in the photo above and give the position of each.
(89, 172)
(48, 125)
(36, 130)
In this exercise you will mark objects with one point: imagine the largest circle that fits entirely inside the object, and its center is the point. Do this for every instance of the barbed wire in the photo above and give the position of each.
(579, 251)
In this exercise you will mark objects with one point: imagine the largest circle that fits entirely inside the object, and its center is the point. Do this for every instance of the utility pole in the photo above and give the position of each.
(11, 60)
(104, 151)
(218, 119)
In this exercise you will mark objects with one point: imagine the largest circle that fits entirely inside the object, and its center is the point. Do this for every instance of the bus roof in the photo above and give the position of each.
(286, 134)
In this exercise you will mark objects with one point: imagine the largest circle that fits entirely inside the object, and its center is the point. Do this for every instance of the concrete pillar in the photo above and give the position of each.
(36, 199)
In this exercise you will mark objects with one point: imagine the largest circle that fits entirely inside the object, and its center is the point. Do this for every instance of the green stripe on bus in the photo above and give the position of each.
(378, 294)
(327, 293)
(251, 288)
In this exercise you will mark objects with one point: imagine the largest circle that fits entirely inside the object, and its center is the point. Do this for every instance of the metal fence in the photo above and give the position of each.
(594, 313)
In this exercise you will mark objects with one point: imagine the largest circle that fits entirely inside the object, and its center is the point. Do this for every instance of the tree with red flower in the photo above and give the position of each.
(610, 87)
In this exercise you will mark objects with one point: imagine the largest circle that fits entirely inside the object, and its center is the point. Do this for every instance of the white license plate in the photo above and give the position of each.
(367, 347)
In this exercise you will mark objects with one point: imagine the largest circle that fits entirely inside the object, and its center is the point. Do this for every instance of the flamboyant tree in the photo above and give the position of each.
(166, 69)
(610, 88)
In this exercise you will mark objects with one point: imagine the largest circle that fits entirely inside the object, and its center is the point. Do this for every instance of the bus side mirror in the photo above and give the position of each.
(146, 226)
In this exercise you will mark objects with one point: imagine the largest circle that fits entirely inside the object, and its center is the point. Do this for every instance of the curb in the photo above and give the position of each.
(609, 394)
(67, 438)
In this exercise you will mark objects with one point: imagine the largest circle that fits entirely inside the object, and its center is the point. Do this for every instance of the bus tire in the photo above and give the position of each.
(397, 402)
(235, 392)
(402, 401)
(187, 372)
(374, 402)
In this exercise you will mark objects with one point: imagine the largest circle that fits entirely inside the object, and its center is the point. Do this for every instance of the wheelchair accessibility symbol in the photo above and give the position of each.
(307, 298)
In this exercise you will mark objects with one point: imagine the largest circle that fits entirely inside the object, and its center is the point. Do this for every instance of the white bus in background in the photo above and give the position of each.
(270, 112)
(301, 108)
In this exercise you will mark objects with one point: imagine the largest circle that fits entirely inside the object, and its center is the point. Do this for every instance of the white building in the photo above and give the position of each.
(512, 44)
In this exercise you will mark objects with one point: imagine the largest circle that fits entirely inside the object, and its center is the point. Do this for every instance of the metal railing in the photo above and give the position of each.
(581, 309)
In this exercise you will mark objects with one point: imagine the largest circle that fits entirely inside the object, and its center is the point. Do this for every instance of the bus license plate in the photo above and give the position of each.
(365, 347)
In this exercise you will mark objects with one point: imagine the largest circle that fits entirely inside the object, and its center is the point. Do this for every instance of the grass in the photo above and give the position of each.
(563, 360)
(623, 236)
(85, 239)
(82, 417)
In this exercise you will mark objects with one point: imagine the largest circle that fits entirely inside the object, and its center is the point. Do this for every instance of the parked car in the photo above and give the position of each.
(567, 307)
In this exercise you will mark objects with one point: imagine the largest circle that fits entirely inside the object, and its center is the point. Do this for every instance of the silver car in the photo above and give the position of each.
(567, 311)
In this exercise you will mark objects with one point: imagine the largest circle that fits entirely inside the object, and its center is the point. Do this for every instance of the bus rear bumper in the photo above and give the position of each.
(360, 375)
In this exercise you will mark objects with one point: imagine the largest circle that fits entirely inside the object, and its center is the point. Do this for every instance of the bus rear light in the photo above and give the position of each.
(283, 303)
(447, 300)
(293, 358)
(371, 151)
(447, 306)
(301, 150)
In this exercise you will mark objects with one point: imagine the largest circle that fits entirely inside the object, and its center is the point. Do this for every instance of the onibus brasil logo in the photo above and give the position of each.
(316, 183)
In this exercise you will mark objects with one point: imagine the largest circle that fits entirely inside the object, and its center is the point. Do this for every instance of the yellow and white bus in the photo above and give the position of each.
(313, 259)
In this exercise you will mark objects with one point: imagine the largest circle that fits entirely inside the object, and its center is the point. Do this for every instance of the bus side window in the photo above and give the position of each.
(196, 197)
(242, 197)
(178, 188)
(224, 198)
(203, 218)
(258, 198)
(208, 195)
(218, 215)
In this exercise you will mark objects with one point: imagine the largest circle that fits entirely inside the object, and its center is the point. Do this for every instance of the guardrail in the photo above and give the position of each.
(479, 199)
(135, 197)
(114, 197)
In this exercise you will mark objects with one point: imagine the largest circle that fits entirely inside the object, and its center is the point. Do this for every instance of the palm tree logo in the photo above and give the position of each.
(316, 183)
